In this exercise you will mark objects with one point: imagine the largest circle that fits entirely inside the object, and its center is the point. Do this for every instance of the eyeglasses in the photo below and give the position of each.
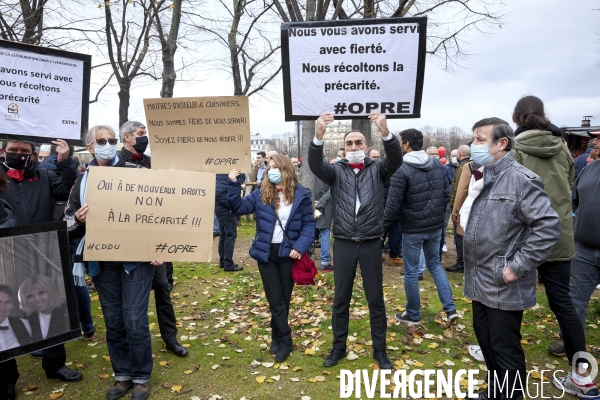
(102, 141)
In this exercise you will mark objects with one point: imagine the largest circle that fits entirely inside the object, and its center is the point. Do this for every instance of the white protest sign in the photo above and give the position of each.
(352, 68)
(44, 93)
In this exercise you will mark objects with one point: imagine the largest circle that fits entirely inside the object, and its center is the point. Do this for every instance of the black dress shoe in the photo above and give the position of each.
(65, 374)
(455, 268)
(10, 392)
(334, 357)
(274, 348)
(178, 349)
(283, 354)
(382, 359)
(235, 268)
(37, 354)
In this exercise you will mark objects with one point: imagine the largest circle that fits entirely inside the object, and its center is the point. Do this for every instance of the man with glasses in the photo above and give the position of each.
(31, 194)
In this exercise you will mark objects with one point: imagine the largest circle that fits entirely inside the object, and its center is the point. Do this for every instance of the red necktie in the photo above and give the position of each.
(360, 166)
(278, 189)
(16, 174)
(137, 156)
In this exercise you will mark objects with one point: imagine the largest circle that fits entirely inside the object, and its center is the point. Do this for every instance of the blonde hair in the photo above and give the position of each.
(43, 283)
(289, 180)
(95, 131)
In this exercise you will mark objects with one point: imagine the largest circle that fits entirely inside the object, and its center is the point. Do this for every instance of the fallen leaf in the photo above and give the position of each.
(188, 371)
(449, 363)
(260, 379)
(176, 388)
(352, 356)
(267, 365)
(107, 358)
(186, 345)
(215, 366)
(295, 379)
(163, 363)
(55, 395)
(295, 369)
(433, 345)
(103, 376)
(94, 355)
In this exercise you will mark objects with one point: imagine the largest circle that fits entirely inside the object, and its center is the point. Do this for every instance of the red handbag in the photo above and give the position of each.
(304, 270)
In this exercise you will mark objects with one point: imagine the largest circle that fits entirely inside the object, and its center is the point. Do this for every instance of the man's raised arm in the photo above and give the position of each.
(322, 169)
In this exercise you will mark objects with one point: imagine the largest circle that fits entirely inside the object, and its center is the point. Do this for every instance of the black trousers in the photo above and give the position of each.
(276, 275)
(346, 255)
(557, 278)
(54, 358)
(9, 374)
(499, 335)
(162, 283)
(228, 227)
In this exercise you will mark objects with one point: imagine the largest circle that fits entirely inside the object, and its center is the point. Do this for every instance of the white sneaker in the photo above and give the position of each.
(566, 383)
(475, 352)
(444, 249)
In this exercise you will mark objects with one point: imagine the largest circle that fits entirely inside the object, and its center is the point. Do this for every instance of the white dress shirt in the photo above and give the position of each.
(44, 323)
(8, 339)
(284, 214)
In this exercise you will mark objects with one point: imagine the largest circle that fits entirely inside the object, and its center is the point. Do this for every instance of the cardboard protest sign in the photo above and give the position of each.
(140, 214)
(44, 93)
(34, 258)
(204, 134)
(352, 68)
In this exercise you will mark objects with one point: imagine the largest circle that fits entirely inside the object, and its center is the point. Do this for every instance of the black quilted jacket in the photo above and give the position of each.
(344, 183)
(418, 197)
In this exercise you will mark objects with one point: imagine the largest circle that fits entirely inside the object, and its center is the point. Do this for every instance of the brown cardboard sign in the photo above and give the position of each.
(140, 214)
(204, 134)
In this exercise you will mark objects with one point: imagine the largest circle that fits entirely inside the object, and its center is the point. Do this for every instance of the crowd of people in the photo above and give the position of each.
(520, 206)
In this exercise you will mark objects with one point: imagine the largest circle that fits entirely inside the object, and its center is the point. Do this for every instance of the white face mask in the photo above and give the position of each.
(355, 157)
(455, 160)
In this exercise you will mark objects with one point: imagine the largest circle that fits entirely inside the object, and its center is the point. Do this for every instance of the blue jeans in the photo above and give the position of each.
(84, 308)
(585, 275)
(216, 225)
(124, 300)
(429, 244)
(325, 256)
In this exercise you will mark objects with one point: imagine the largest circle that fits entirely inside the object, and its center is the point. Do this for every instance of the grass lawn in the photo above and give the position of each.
(224, 320)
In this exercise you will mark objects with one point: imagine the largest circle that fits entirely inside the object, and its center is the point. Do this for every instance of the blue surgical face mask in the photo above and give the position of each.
(275, 176)
(105, 153)
(480, 154)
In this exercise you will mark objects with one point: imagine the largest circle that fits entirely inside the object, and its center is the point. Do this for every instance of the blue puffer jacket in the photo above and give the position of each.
(300, 226)
(221, 203)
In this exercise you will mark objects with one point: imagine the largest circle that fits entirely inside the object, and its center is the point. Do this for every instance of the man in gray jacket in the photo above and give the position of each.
(510, 228)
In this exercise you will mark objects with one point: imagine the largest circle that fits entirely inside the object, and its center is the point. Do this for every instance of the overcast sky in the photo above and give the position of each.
(547, 48)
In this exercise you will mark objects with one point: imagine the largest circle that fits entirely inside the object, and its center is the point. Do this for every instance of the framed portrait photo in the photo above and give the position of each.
(37, 299)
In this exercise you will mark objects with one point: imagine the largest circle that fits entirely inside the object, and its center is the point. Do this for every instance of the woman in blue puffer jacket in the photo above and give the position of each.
(285, 227)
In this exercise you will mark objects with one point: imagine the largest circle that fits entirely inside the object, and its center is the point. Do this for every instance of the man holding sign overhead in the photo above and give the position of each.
(358, 196)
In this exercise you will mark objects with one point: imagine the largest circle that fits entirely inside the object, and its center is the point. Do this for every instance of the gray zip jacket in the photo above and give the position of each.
(511, 223)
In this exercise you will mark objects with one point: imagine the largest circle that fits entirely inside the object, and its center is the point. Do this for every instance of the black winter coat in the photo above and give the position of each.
(221, 203)
(345, 184)
(7, 216)
(418, 197)
(33, 198)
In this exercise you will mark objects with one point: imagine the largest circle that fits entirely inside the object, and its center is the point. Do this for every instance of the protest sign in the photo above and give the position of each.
(44, 93)
(204, 134)
(33, 258)
(140, 214)
(352, 68)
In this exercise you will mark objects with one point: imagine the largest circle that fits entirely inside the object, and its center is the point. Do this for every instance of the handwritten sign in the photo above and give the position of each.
(204, 134)
(141, 214)
(353, 67)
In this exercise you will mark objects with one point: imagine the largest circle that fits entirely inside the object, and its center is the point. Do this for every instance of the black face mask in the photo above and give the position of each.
(140, 144)
(17, 161)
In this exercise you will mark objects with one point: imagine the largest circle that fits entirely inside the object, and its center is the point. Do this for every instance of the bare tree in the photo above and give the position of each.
(128, 44)
(242, 27)
(168, 43)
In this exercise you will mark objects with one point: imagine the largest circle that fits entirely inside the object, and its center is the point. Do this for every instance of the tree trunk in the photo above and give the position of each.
(124, 94)
(233, 48)
(169, 47)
